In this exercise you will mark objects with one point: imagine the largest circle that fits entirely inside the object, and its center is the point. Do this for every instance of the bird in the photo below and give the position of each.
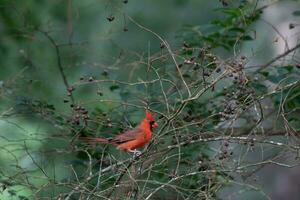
(130, 140)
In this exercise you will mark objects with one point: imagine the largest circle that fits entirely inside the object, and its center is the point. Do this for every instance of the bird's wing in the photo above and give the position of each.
(127, 136)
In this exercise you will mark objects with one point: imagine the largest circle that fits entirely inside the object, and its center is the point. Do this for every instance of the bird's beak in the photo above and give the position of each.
(155, 125)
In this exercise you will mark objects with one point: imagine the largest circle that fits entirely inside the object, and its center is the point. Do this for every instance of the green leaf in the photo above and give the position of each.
(296, 13)
(234, 12)
(294, 122)
(282, 71)
(275, 79)
(237, 29)
(186, 76)
(259, 87)
(264, 73)
(114, 87)
(218, 23)
(246, 37)
(289, 68)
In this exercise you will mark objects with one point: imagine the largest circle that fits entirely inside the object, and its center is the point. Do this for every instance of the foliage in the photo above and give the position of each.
(65, 78)
(230, 30)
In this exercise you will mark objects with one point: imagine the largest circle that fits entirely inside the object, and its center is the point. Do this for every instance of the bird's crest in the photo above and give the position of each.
(149, 116)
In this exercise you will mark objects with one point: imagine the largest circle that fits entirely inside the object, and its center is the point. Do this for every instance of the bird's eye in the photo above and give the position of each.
(152, 123)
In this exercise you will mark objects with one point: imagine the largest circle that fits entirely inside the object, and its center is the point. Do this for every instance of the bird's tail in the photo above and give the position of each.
(92, 140)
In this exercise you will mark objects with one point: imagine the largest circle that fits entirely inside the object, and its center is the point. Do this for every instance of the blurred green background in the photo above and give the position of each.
(95, 40)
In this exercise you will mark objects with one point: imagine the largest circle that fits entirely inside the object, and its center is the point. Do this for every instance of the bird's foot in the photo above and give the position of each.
(136, 153)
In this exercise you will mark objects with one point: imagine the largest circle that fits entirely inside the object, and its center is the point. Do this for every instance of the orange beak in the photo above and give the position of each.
(155, 125)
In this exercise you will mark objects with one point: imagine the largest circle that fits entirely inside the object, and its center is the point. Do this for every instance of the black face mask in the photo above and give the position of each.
(151, 124)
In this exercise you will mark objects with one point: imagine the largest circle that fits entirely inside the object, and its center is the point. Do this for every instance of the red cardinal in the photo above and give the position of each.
(131, 139)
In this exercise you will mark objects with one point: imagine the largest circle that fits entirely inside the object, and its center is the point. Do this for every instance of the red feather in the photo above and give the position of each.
(131, 139)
